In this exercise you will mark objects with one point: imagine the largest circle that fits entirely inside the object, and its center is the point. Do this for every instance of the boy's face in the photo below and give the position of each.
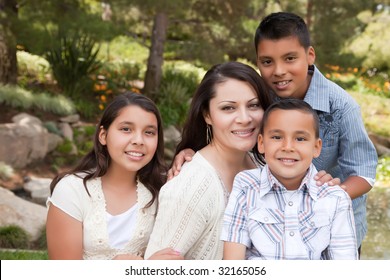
(289, 144)
(283, 64)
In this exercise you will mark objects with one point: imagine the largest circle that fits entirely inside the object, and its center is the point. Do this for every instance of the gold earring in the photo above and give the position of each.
(209, 134)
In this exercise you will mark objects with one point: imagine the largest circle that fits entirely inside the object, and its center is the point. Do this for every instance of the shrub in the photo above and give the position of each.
(72, 61)
(173, 103)
(88, 109)
(19, 98)
(124, 48)
(177, 87)
(13, 237)
(116, 77)
(32, 67)
(16, 97)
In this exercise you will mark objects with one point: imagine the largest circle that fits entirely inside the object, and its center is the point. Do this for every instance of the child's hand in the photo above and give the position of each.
(166, 254)
(322, 177)
(178, 161)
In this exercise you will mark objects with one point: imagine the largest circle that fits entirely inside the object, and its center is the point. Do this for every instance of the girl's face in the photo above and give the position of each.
(235, 116)
(131, 139)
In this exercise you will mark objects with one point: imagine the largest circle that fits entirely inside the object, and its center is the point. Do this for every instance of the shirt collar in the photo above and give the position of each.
(269, 182)
(318, 94)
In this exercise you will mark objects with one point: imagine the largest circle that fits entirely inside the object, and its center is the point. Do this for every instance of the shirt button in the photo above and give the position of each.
(266, 219)
(312, 224)
(290, 203)
(291, 233)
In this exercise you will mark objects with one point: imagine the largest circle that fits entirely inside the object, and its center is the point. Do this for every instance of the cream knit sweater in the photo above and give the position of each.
(71, 197)
(190, 213)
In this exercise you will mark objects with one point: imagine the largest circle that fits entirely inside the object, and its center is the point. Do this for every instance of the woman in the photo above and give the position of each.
(105, 207)
(222, 126)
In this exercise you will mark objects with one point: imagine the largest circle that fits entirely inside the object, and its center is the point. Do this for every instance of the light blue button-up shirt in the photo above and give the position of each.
(346, 147)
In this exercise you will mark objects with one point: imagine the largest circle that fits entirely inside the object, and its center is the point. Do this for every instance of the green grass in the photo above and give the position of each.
(23, 255)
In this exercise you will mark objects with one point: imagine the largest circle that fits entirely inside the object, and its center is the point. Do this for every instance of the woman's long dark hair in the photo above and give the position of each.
(194, 130)
(96, 162)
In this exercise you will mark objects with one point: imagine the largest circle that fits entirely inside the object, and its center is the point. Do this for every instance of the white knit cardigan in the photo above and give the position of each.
(71, 197)
(190, 213)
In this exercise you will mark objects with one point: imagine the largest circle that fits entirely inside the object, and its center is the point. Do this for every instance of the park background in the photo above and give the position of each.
(66, 57)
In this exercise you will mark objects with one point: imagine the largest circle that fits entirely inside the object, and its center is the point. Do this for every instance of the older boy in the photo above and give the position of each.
(278, 212)
(285, 59)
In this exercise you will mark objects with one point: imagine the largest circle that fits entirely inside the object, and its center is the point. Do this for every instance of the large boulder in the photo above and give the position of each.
(23, 141)
(17, 211)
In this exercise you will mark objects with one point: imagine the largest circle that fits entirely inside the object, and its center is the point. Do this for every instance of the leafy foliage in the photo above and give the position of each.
(73, 60)
(13, 237)
(17, 97)
(371, 44)
(178, 85)
(32, 67)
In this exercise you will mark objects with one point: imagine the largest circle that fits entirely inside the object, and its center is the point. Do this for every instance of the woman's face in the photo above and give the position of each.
(235, 115)
(131, 139)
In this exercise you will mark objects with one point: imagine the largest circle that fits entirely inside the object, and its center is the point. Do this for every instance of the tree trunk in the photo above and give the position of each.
(309, 12)
(8, 63)
(153, 74)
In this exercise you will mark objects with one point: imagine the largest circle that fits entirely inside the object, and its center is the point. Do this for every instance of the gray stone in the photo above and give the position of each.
(71, 119)
(172, 135)
(66, 130)
(53, 141)
(25, 119)
(22, 143)
(17, 211)
(39, 189)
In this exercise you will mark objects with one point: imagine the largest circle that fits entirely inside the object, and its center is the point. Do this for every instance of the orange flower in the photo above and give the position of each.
(103, 87)
(103, 98)
(101, 107)
(96, 87)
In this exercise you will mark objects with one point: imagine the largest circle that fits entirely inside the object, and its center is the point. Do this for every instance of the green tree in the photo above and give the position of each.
(371, 45)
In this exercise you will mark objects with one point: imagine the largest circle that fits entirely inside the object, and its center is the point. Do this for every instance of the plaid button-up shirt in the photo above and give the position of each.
(274, 223)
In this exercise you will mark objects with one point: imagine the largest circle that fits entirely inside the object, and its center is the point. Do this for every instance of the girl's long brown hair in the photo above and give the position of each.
(96, 162)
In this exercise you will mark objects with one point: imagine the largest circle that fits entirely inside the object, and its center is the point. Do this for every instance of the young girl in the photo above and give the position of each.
(105, 207)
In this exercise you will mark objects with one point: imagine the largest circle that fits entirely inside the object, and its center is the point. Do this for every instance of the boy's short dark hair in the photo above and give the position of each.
(281, 25)
(292, 104)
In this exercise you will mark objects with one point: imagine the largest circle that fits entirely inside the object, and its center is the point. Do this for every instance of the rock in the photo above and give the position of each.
(16, 211)
(25, 119)
(66, 130)
(53, 141)
(171, 135)
(71, 119)
(23, 144)
(39, 189)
